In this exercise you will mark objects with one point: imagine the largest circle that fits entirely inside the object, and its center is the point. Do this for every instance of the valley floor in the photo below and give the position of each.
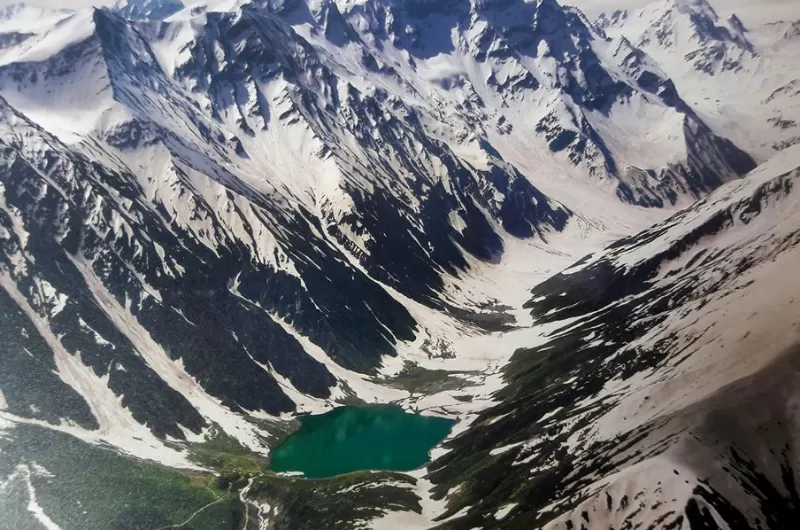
(656, 371)
(553, 231)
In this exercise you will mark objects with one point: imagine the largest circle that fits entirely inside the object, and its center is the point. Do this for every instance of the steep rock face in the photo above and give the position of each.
(625, 414)
(216, 216)
(84, 253)
(690, 28)
(718, 65)
(541, 72)
(384, 171)
(241, 209)
(202, 217)
(148, 9)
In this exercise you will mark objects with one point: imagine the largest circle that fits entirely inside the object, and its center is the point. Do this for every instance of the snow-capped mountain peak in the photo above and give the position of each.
(736, 23)
(718, 65)
(682, 26)
(261, 207)
(696, 7)
(23, 12)
(148, 9)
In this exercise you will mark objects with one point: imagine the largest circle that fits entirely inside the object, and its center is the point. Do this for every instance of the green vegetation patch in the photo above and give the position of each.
(226, 455)
(340, 502)
(86, 486)
(419, 380)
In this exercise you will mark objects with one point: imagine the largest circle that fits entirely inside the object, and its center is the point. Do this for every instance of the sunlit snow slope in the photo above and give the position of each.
(742, 80)
(216, 215)
(665, 396)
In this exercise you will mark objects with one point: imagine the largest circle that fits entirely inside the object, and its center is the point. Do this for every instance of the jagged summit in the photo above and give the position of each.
(717, 65)
(217, 215)
(147, 9)
(696, 8)
(692, 6)
(554, 66)
(678, 25)
(737, 24)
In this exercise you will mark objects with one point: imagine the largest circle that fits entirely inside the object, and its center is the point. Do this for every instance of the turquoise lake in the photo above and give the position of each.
(360, 438)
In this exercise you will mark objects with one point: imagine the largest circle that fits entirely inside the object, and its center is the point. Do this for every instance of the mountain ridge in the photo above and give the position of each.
(188, 123)
(220, 215)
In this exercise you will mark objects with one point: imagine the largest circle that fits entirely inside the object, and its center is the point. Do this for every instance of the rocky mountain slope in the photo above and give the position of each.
(741, 80)
(663, 394)
(218, 215)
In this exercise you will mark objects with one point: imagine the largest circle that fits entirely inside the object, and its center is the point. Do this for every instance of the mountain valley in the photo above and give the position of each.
(576, 239)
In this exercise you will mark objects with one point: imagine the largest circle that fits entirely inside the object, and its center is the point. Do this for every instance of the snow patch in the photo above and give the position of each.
(23, 473)
(97, 337)
(172, 371)
(117, 425)
(504, 511)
